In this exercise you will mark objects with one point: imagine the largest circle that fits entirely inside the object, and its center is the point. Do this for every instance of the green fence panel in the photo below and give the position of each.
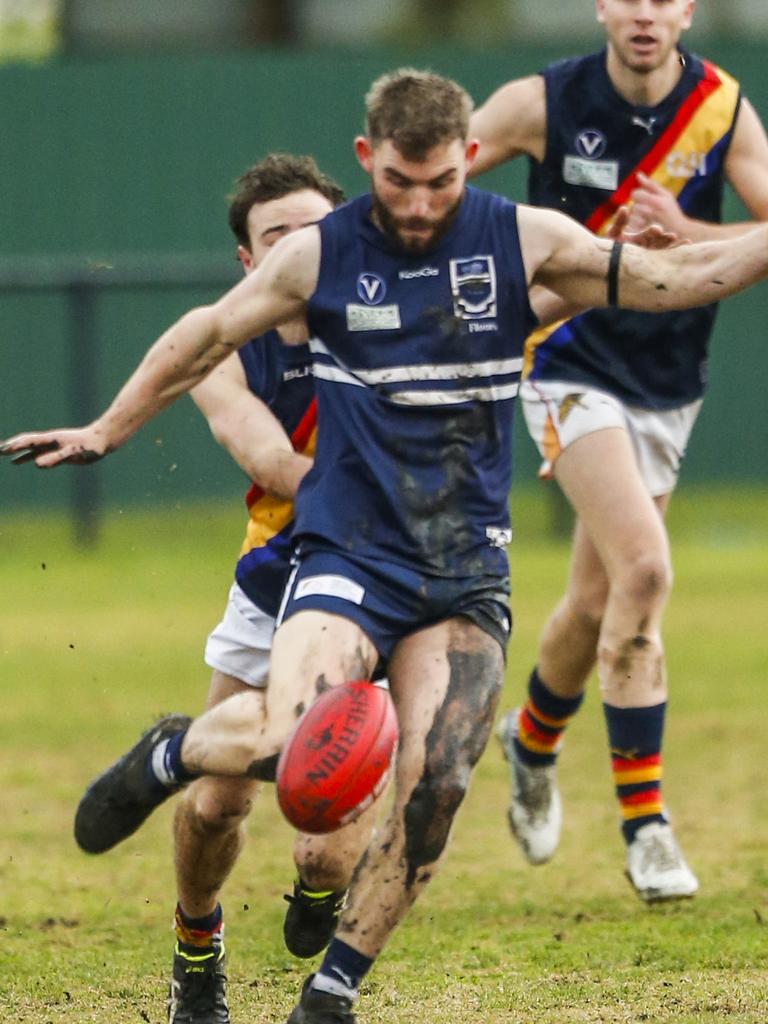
(105, 159)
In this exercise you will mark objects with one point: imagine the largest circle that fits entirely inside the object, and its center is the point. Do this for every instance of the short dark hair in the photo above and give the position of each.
(277, 175)
(417, 110)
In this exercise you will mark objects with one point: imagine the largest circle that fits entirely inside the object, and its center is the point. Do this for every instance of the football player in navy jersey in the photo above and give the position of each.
(418, 298)
(610, 397)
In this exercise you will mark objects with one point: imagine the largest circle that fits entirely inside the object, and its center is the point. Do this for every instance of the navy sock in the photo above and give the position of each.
(208, 923)
(342, 970)
(542, 721)
(635, 736)
(165, 765)
(200, 932)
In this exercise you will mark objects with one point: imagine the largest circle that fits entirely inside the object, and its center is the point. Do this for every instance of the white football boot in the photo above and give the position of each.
(656, 867)
(535, 812)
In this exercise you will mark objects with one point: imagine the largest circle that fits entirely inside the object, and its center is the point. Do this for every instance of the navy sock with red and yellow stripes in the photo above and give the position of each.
(199, 932)
(635, 736)
(541, 722)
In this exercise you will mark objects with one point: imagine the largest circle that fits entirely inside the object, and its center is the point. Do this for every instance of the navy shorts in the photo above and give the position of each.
(389, 601)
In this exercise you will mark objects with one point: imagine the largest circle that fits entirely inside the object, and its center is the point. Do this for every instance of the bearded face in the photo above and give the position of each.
(415, 200)
(413, 234)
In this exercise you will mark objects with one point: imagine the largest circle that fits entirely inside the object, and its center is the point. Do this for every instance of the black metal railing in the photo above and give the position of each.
(81, 282)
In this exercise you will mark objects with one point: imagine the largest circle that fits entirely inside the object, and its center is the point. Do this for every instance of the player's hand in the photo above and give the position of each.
(651, 203)
(52, 447)
(649, 236)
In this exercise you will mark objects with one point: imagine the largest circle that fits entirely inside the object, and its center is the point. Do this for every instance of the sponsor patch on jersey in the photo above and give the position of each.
(371, 288)
(473, 286)
(603, 174)
(372, 318)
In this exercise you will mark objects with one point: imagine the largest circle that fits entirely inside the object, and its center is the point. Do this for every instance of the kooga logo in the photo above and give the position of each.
(408, 275)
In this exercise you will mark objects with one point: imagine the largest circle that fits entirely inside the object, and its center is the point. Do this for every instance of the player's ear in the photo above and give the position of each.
(600, 10)
(688, 16)
(245, 257)
(364, 153)
(470, 152)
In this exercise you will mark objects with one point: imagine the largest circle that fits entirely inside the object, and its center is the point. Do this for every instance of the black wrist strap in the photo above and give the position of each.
(613, 274)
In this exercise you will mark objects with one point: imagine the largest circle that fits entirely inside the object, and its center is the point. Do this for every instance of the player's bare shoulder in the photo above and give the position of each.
(511, 122)
(293, 264)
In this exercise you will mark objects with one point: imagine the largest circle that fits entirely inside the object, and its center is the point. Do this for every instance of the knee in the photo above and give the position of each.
(430, 811)
(646, 579)
(586, 607)
(218, 805)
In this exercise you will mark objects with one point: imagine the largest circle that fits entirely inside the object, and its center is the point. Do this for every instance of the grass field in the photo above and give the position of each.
(94, 645)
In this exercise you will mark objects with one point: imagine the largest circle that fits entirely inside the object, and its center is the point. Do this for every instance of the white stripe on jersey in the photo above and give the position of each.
(335, 373)
(440, 371)
(424, 372)
(489, 394)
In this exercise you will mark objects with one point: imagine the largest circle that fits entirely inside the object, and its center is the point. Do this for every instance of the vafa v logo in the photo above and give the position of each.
(371, 288)
(591, 143)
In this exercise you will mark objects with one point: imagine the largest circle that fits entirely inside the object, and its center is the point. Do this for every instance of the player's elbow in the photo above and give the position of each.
(222, 431)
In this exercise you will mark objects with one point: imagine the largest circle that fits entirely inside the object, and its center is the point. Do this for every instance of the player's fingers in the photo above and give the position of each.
(619, 222)
(20, 449)
(74, 455)
(10, 445)
(654, 236)
(635, 224)
(649, 183)
(642, 216)
(28, 454)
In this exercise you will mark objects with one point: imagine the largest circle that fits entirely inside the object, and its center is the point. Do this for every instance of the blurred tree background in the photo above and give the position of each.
(37, 29)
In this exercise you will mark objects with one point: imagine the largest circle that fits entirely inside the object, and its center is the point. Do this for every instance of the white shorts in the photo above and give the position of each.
(241, 644)
(558, 413)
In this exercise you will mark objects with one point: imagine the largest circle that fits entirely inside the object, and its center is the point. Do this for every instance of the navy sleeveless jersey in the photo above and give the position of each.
(596, 144)
(281, 376)
(417, 363)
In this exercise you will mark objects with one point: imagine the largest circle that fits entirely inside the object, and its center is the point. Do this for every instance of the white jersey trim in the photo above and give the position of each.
(336, 374)
(448, 371)
(426, 372)
(489, 394)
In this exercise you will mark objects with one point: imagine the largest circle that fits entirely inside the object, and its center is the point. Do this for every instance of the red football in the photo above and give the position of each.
(337, 760)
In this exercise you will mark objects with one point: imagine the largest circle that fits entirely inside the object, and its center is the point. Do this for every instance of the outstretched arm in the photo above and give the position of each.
(247, 429)
(565, 258)
(186, 352)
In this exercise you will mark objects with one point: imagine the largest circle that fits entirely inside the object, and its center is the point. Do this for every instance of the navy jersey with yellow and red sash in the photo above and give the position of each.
(597, 143)
(417, 364)
(281, 376)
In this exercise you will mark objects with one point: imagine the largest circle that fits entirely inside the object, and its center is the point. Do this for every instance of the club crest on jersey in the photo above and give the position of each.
(473, 286)
(371, 288)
